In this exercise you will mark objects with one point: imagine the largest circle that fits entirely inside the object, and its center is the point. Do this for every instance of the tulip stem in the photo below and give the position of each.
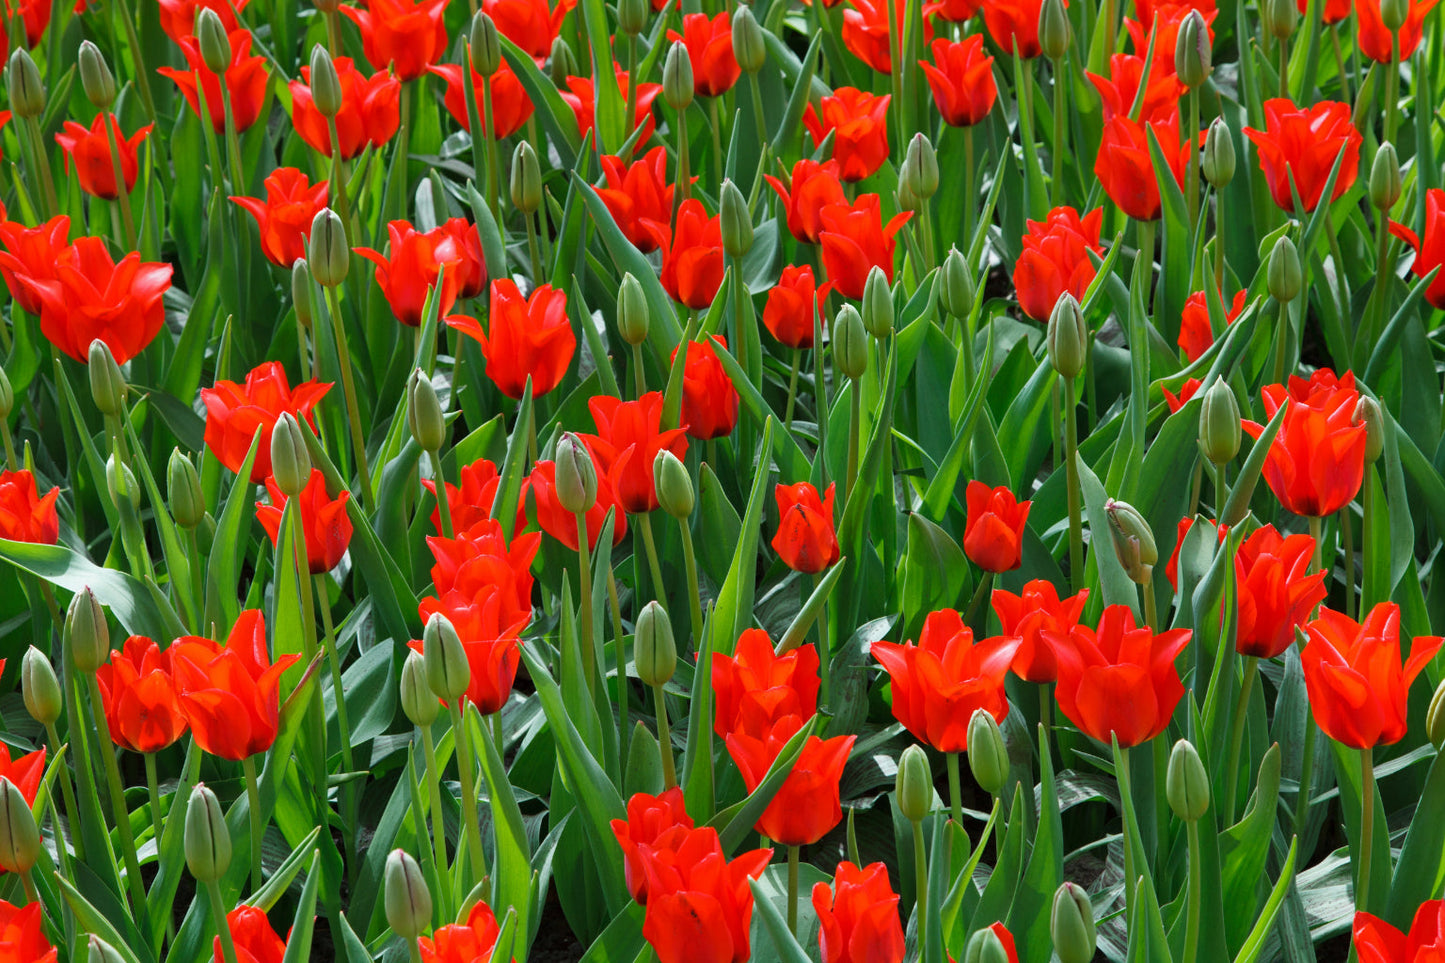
(443, 498)
(1191, 177)
(1191, 918)
(223, 925)
(1367, 829)
(413, 947)
(121, 192)
(117, 798)
(143, 82)
(198, 588)
(920, 879)
(41, 163)
(1071, 480)
(315, 713)
(716, 124)
(11, 462)
(632, 85)
(1236, 737)
(855, 420)
(584, 563)
(1219, 243)
(349, 801)
(471, 827)
(970, 199)
(1131, 824)
(1057, 178)
(793, 888)
(955, 788)
(1151, 607)
(639, 377)
(233, 142)
(1284, 67)
(27, 878)
(72, 809)
(792, 390)
(434, 790)
(1221, 491)
(1392, 86)
(258, 830)
(825, 650)
(1347, 536)
(684, 177)
(1281, 343)
(664, 739)
(348, 387)
(758, 109)
(694, 596)
(338, 181)
(644, 524)
(532, 246)
(153, 787)
(494, 168)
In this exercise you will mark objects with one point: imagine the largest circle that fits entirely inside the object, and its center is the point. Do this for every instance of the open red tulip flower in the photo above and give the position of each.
(246, 79)
(252, 935)
(700, 905)
(807, 805)
(961, 77)
(22, 933)
(938, 684)
(471, 504)
(1317, 462)
(812, 187)
(1378, 42)
(562, 524)
(491, 648)
(855, 240)
(469, 942)
(178, 17)
(1305, 142)
(1125, 167)
(709, 43)
(407, 34)
(1038, 618)
(692, 255)
(1429, 248)
(993, 533)
(709, 400)
(324, 522)
(527, 337)
(370, 110)
(639, 193)
(25, 514)
(755, 688)
(530, 24)
(284, 217)
(580, 95)
(413, 264)
(1277, 592)
(1186, 394)
(1055, 259)
(1167, 19)
(653, 823)
(629, 437)
(471, 268)
(482, 563)
(1120, 679)
(231, 694)
(952, 11)
(92, 297)
(866, 32)
(1196, 334)
(792, 307)
(31, 252)
(1359, 692)
(858, 122)
(139, 695)
(806, 540)
(511, 107)
(1118, 90)
(1015, 24)
(858, 916)
(1171, 568)
(1376, 941)
(1146, 10)
(24, 772)
(88, 149)
(235, 411)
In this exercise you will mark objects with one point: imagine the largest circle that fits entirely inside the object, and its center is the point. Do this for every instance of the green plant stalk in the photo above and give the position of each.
(739, 292)
(413, 948)
(1219, 243)
(434, 791)
(338, 181)
(920, 879)
(315, 712)
(333, 34)
(40, 162)
(349, 802)
(466, 770)
(1192, 911)
(758, 109)
(153, 787)
(142, 75)
(1281, 343)
(1284, 66)
(684, 176)
(117, 798)
(27, 879)
(895, 78)
(1045, 719)
(1071, 481)
(72, 808)
(793, 890)
(955, 788)
(792, 391)
(122, 194)
(494, 167)
(1345, 94)
(1060, 96)
(1236, 736)
(1191, 177)
(537, 274)
(223, 926)
(694, 597)
(348, 386)
(1374, 316)
(1367, 830)
(197, 578)
(11, 462)
(258, 829)
(981, 592)
(632, 86)
(1221, 488)
(639, 377)
(1151, 607)
(644, 524)
(664, 739)
(1111, 26)
(1367, 598)
(1347, 536)
(1392, 87)
(208, 134)
(1307, 759)
(584, 563)
(619, 644)
(825, 651)
(418, 815)
(233, 142)
(715, 123)
(855, 419)
(443, 499)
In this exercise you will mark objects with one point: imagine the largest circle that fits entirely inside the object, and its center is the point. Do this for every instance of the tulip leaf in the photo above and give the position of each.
(1116, 586)
(1029, 914)
(787, 945)
(798, 629)
(622, 941)
(1385, 347)
(512, 879)
(791, 460)
(734, 611)
(1238, 504)
(790, 125)
(697, 759)
(1421, 867)
(130, 946)
(557, 118)
(1244, 847)
(1254, 945)
(935, 571)
(303, 923)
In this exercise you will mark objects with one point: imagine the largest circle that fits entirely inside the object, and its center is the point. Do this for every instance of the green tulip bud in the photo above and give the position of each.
(486, 47)
(955, 290)
(418, 700)
(87, 636)
(1193, 55)
(1284, 274)
(40, 688)
(1368, 413)
(1071, 925)
(19, 835)
(447, 670)
(1133, 540)
(211, 37)
(1186, 783)
(576, 474)
(526, 184)
(424, 415)
(27, 92)
(1435, 717)
(7, 395)
(677, 83)
(654, 650)
(120, 483)
(632, 16)
(987, 754)
(985, 947)
(1279, 17)
(328, 252)
(1054, 30)
(107, 384)
(737, 222)
(914, 785)
(907, 200)
(1219, 424)
(183, 484)
(632, 311)
(99, 951)
(290, 459)
(1217, 163)
(563, 63)
(407, 900)
(920, 168)
(325, 84)
(850, 343)
(301, 292)
(748, 46)
(95, 76)
(207, 840)
(1067, 338)
(877, 304)
(673, 484)
(1385, 184)
(1394, 13)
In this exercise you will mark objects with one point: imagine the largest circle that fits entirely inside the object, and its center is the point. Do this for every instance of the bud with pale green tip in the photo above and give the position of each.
(183, 485)
(914, 785)
(301, 292)
(633, 319)
(1071, 925)
(1133, 540)
(576, 475)
(850, 343)
(1067, 338)
(654, 649)
(120, 483)
(19, 835)
(87, 636)
(920, 168)
(1285, 279)
(1187, 784)
(1368, 413)
(955, 287)
(877, 304)
(486, 46)
(985, 947)
(1217, 164)
(424, 416)
(632, 16)
(1054, 30)
(987, 754)
(563, 63)
(1193, 53)
(1219, 435)
(325, 83)
(100, 951)
(290, 459)
(673, 485)
(748, 46)
(328, 251)
(211, 38)
(207, 840)
(406, 898)
(27, 92)
(735, 219)
(1394, 13)
(95, 76)
(447, 670)
(7, 395)
(40, 688)
(1279, 17)
(526, 183)
(418, 700)
(1435, 717)
(107, 384)
(1385, 185)
(677, 82)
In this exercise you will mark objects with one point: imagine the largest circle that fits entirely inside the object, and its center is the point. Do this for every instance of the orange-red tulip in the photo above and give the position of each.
(699, 905)
(993, 533)
(471, 270)
(813, 186)
(1376, 941)
(855, 240)
(1196, 334)
(246, 79)
(469, 942)
(1038, 618)
(251, 934)
(806, 541)
(24, 772)
(22, 933)
(1305, 142)
(858, 916)
(90, 296)
(1187, 391)
(1168, 18)
(629, 437)
(530, 24)
(858, 122)
(653, 823)
(562, 524)
(807, 805)
(1015, 24)
(481, 563)
(407, 34)
(1317, 462)
(324, 522)
(580, 95)
(31, 252)
(1277, 592)
(709, 43)
(284, 217)
(471, 504)
(413, 264)
(25, 514)
(1171, 568)
(792, 307)
(178, 17)
(528, 337)
(961, 77)
(1125, 166)
(1118, 90)
(510, 104)
(639, 193)
(138, 693)
(1378, 42)
(1429, 249)
(709, 400)
(88, 148)
(1055, 259)
(235, 411)
(370, 110)
(1334, 11)
(692, 255)
(1147, 10)
(756, 689)
(866, 31)
(491, 648)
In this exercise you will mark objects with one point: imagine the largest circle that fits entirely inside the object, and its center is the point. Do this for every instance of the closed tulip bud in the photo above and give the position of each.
(486, 47)
(207, 839)
(407, 900)
(107, 384)
(120, 483)
(987, 755)
(673, 484)
(325, 84)
(749, 48)
(290, 460)
(301, 292)
(1187, 784)
(183, 485)
(87, 636)
(424, 415)
(1219, 424)
(526, 182)
(447, 670)
(1217, 164)
(1193, 56)
(914, 785)
(27, 92)
(1284, 275)
(1385, 178)
(1054, 31)
(955, 285)
(1133, 540)
(328, 252)
(850, 343)
(102, 952)
(1435, 717)
(677, 77)
(576, 475)
(877, 304)
(1279, 17)
(1367, 413)
(736, 221)
(7, 395)
(418, 701)
(1067, 339)
(632, 311)
(985, 947)
(211, 37)
(1071, 925)
(1394, 13)
(907, 200)
(632, 16)
(920, 168)
(563, 63)
(19, 836)
(95, 76)
(654, 650)
(40, 688)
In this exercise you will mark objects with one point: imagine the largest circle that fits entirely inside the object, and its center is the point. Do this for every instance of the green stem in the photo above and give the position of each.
(223, 926)
(920, 879)
(1369, 590)
(258, 829)
(855, 420)
(970, 201)
(792, 390)
(197, 579)
(980, 593)
(466, 769)
(42, 165)
(143, 80)
(1060, 91)
(122, 193)
(1131, 824)
(1284, 67)
(1221, 489)
(1191, 920)
(664, 738)
(1367, 829)
(955, 788)
(1392, 86)
(644, 524)
(1071, 480)
(584, 562)
(532, 249)
(494, 167)
(233, 143)
(1219, 242)
(337, 183)
(793, 886)
(1236, 737)
(694, 590)
(1151, 608)
(117, 798)
(315, 711)
(1347, 536)
(825, 652)
(443, 501)
(1281, 343)
(639, 377)
(348, 385)
(716, 124)
(758, 109)
(684, 177)
(413, 947)
(434, 790)
(632, 86)
(72, 808)
(154, 789)
(349, 800)
(1191, 179)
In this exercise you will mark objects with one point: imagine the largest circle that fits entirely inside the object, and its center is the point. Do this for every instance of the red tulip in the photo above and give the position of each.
(24, 773)
(284, 217)
(858, 122)
(1055, 259)
(471, 270)
(370, 110)
(1125, 167)
(490, 646)
(653, 823)
(92, 297)
(993, 534)
(34, 14)
(246, 80)
(793, 305)
(858, 917)
(1334, 11)
(639, 193)
(1006, 940)
(510, 103)
(855, 240)
(139, 696)
(470, 942)
(807, 805)
(709, 43)
(1168, 17)
(1147, 10)
(89, 150)
(1429, 252)
(699, 905)
(251, 934)
(412, 266)
(756, 689)
(1038, 618)
(1120, 679)
(1378, 942)
(814, 186)
(481, 564)
(806, 541)
(709, 400)
(178, 17)
(324, 522)
(1277, 591)
(471, 504)
(562, 524)
(628, 439)
(866, 33)
(1196, 334)
(1171, 568)
(1381, 44)
(1317, 462)
(1187, 391)
(692, 256)
(231, 695)
(942, 681)
(580, 96)
(1118, 91)
(528, 337)
(31, 252)
(234, 412)
(407, 34)
(961, 77)
(530, 24)
(1015, 23)
(26, 515)
(1305, 142)
(22, 932)
(953, 11)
